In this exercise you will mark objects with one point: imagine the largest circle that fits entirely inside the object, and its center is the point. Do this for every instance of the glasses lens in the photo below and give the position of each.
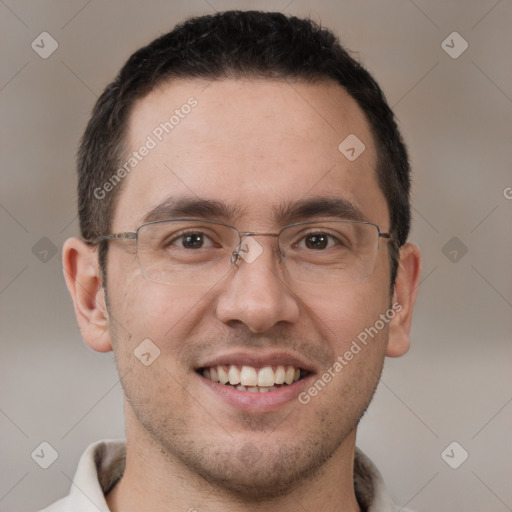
(185, 252)
(194, 252)
(334, 252)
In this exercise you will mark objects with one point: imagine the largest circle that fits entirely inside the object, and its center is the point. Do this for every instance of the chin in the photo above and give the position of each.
(257, 473)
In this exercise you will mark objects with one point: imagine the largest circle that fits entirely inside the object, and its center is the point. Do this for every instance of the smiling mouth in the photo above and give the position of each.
(252, 379)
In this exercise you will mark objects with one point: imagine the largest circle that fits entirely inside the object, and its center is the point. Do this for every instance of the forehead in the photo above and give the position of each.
(254, 145)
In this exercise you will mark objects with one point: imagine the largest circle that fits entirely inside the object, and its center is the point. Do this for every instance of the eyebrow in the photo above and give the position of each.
(311, 208)
(174, 207)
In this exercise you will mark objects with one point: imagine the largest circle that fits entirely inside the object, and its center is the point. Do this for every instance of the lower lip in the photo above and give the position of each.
(248, 401)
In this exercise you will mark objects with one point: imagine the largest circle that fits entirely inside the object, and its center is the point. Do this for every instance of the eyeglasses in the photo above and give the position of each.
(201, 252)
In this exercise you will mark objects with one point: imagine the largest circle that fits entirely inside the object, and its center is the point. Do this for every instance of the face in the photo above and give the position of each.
(254, 146)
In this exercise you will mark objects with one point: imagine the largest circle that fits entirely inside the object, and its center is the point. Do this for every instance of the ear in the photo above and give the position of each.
(404, 297)
(83, 279)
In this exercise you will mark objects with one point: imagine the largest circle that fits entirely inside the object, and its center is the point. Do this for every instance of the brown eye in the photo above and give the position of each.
(317, 241)
(192, 240)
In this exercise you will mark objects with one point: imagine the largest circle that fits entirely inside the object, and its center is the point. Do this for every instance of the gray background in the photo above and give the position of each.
(455, 113)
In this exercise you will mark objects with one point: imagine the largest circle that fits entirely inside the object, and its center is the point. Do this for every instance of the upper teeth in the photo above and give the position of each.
(250, 376)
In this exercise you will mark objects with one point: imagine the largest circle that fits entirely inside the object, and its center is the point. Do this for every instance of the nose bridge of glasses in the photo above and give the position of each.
(254, 233)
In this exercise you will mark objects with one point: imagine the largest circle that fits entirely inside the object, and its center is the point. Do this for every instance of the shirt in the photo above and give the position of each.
(102, 465)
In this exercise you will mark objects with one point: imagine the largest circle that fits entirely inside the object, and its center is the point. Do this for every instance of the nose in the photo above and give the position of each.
(256, 292)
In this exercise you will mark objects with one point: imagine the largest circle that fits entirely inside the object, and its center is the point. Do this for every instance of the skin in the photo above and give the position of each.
(254, 144)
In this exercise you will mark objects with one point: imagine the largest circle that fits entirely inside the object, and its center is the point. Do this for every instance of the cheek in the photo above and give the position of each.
(165, 314)
(358, 338)
(342, 314)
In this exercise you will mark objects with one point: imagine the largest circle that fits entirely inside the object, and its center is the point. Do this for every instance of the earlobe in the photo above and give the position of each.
(83, 279)
(404, 298)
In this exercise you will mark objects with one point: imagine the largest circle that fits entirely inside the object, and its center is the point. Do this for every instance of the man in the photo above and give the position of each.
(244, 210)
